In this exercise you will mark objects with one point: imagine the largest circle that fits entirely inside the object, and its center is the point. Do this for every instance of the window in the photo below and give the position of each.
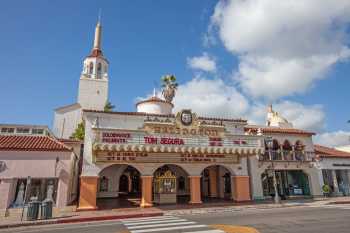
(22, 130)
(37, 131)
(99, 68)
(7, 130)
(91, 68)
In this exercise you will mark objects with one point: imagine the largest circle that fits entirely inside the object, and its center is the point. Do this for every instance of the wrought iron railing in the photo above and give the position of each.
(287, 155)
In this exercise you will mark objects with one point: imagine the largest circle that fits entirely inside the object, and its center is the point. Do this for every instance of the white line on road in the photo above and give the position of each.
(160, 225)
(168, 228)
(148, 219)
(152, 222)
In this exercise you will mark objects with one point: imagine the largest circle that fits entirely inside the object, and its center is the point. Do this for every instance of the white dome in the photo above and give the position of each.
(155, 105)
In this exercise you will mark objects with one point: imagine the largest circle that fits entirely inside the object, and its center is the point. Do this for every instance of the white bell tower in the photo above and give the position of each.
(93, 83)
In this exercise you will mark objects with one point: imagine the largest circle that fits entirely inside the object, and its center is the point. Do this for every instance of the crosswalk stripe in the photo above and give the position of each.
(152, 222)
(149, 219)
(161, 225)
(167, 228)
(208, 231)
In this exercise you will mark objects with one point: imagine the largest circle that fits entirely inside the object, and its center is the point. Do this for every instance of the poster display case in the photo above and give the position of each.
(164, 188)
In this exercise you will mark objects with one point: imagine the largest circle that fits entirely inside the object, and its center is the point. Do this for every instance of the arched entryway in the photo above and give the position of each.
(170, 185)
(216, 183)
(129, 182)
(118, 186)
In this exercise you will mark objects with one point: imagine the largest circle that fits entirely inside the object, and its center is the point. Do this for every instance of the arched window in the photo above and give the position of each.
(99, 68)
(287, 150)
(91, 68)
(299, 150)
(103, 184)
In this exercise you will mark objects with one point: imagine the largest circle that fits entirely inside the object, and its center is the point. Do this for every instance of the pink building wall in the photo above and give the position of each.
(37, 164)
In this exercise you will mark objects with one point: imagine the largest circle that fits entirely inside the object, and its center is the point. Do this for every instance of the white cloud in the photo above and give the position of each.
(203, 63)
(209, 97)
(283, 46)
(333, 139)
(216, 98)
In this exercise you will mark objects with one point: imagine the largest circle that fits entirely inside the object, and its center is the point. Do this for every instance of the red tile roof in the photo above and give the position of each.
(169, 115)
(65, 140)
(30, 143)
(97, 53)
(278, 130)
(327, 152)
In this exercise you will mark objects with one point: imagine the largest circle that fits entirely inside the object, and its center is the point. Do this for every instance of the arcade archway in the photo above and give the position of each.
(170, 185)
(216, 183)
(118, 186)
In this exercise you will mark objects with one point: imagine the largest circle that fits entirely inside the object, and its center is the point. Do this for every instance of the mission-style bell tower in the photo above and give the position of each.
(93, 83)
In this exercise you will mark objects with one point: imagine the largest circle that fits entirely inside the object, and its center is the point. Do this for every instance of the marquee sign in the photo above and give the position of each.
(146, 139)
(144, 157)
(186, 123)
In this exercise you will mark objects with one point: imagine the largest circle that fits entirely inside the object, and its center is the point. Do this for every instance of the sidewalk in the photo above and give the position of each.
(122, 213)
(84, 216)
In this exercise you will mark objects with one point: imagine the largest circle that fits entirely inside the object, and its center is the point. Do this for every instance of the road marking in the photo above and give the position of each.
(166, 224)
(148, 219)
(160, 225)
(150, 222)
(168, 228)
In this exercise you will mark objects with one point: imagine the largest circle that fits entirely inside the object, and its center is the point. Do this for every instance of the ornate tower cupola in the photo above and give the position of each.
(93, 84)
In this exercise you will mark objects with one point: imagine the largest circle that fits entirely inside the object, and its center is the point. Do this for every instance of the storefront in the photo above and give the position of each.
(334, 169)
(36, 168)
(289, 183)
(164, 158)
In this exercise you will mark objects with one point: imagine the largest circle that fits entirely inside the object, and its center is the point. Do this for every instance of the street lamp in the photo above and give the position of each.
(269, 143)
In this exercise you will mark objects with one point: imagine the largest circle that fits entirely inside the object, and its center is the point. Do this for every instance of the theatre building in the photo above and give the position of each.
(290, 154)
(158, 157)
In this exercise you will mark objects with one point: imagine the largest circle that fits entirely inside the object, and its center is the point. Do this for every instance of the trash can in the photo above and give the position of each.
(46, 209)
(33, 210)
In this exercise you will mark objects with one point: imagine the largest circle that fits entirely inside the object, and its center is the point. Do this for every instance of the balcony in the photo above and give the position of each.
(288, 156)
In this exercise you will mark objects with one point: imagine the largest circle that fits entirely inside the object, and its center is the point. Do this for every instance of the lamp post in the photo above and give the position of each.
(269, 143)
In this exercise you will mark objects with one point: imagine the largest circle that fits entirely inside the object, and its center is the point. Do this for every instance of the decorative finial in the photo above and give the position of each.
(154, 92)
(99, 16)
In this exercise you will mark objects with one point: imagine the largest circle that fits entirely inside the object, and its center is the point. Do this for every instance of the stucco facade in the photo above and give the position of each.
(38, 165)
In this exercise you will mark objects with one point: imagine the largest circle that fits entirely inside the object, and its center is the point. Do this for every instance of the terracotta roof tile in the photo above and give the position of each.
(30, 143)
(325, 152)
(97, 53)
(278, 130)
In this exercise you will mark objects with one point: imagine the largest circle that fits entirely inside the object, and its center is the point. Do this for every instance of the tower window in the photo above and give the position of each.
(99, 70)
(91, 68)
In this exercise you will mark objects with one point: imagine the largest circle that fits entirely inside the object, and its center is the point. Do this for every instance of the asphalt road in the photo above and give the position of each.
(286, 220)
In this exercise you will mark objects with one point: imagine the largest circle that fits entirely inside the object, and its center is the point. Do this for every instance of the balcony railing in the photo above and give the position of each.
(287, 155)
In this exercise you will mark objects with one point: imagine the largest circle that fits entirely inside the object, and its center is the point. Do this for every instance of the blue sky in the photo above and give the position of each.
(43, 44)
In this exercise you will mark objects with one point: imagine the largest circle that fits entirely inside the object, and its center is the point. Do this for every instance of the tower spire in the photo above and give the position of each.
(98, 33)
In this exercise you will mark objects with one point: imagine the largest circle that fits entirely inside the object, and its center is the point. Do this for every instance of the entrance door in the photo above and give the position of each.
(124, 184)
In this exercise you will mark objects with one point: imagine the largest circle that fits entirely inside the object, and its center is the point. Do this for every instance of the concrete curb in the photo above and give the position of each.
(82, 219)
(338, 202)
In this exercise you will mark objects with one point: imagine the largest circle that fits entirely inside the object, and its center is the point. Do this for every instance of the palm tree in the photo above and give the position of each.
(79, 132)
(169, 85)
(109, 107)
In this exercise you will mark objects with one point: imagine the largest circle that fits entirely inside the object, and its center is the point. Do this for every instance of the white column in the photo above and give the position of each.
(335, 182)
